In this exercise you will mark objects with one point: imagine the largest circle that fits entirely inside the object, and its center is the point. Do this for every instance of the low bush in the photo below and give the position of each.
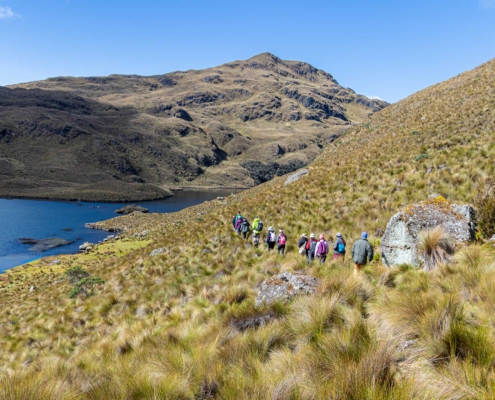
(485, 206)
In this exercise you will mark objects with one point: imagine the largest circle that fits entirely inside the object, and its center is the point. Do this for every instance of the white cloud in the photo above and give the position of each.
(488, 3)
(374, 98)
(7, 13)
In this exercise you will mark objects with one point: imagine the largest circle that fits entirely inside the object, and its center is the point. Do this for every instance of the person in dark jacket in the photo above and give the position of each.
(339, 247)
(271, 239)
(245, 227)
(311, 248)
(281, 241)
(362, 251)
(302, 245)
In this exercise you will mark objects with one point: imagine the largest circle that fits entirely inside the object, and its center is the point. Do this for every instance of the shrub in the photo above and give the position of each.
(85, 286)
(75, 274)
(485, 207)
(435, 248)
(421, 156)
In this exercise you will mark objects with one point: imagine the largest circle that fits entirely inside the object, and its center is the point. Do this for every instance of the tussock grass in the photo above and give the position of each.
(435, 248)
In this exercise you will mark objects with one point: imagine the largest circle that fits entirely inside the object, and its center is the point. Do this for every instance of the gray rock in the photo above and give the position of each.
(492, 239)
(142, 312)
(50, 243)
(295, 177)
(399, 243)
(32, 289)
(157, 251)
(86, 246)
(220, 198)
(286, 286)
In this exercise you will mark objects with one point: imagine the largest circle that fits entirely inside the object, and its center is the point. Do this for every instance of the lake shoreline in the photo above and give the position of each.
(144, 199)
(72, 221)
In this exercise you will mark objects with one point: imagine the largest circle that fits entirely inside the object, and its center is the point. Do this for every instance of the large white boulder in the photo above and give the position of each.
(399, 243)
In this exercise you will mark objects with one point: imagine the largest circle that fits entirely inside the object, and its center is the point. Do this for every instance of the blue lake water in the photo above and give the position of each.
(44, 219)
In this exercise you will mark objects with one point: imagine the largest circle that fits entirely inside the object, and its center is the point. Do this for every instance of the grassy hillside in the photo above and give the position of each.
(168, 326)
(128, 137)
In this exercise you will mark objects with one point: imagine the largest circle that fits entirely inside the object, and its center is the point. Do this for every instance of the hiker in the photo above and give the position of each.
(234, 218)
(302, 245)
(339, 247)
(311, 248)
(321, 250)
(271, 239)
(257, 228)
(281, 241)
(245, 227)
(362, 251)
(238, 222)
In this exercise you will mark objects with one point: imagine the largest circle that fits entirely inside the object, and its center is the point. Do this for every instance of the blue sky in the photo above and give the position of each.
(388, 49)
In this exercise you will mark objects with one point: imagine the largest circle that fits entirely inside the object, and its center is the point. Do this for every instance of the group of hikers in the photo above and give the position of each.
(362, 251)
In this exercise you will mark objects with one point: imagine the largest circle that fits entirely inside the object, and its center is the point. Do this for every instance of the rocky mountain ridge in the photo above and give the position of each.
(129, 137)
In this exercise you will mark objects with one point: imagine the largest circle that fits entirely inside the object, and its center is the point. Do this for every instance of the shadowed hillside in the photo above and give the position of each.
(128, 137)
(183, 324)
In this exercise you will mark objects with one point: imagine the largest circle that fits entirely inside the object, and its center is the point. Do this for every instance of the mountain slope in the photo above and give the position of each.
(167, 326)
(132, 137)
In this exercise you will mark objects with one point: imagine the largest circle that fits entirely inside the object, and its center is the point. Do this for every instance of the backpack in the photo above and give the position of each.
(322, 249)
(341, 247)
(260, 226)
(271, 237)
(282, 239)
(308, 245)
(312, 247)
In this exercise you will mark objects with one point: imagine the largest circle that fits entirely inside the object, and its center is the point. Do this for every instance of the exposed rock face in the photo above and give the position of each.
(286, 286)
(295, 177)
(399, 243)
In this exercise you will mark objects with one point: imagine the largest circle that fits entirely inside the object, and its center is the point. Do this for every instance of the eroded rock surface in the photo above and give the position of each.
(399, 243)
(295, 177)
(286, 286)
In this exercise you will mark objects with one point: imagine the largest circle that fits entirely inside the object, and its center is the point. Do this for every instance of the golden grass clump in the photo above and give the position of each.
(435, 248)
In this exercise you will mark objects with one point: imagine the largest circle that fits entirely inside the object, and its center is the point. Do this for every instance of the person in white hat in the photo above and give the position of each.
(271, 238)
(311, 247)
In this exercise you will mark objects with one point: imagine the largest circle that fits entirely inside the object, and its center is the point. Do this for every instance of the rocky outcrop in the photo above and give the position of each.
(86, 246)
(155, 252)
(130, 209)
(285, 287)
(399, 243)
(295, 177)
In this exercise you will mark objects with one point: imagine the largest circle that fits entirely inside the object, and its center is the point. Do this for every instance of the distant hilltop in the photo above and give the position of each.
(131, 138)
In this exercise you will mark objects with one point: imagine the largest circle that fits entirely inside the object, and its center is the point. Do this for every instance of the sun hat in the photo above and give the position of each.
(322, 236)
(304, 235)
(270, 228)
(312, 235)
(364, 235)
(339, 234)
